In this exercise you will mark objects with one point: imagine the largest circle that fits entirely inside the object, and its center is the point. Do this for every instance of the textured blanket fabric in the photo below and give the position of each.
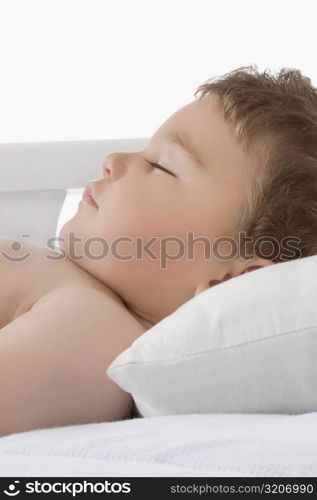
(224, 445)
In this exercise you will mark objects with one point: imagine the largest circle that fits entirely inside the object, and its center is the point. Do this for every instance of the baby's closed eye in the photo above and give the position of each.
(156, 165)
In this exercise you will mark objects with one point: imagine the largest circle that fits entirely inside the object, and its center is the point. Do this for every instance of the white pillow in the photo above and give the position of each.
(247, 345)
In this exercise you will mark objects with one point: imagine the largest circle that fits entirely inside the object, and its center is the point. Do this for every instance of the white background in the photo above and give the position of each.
(99, 69)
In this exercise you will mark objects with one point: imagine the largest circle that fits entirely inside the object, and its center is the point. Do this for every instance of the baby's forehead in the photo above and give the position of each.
(180, 137)
(201, 128)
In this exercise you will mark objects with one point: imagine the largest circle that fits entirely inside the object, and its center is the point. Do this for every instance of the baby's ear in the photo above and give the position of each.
(214, 282)
(256, 264)
(211, 283)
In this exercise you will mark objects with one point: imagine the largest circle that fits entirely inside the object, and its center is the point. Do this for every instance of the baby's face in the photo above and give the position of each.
(137, 201)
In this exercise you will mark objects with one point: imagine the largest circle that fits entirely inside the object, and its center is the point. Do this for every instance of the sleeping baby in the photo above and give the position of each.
(160, 225)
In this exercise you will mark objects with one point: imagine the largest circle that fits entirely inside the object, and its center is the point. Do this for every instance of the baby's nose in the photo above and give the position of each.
(114, 166)
(106, 170)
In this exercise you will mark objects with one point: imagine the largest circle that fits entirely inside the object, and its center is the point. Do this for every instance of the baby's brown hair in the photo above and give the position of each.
(274, 116)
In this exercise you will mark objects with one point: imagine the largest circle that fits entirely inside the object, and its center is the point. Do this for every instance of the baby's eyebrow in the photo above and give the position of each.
(183, 140)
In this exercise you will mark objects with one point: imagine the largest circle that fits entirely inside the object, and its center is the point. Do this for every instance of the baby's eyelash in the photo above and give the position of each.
(155, 165)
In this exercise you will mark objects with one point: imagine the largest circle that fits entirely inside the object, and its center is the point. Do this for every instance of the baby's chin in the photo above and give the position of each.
(64, 241)
(74, 246)
(63, 235)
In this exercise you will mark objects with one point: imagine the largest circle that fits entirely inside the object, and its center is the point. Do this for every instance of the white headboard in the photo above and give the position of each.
(34, 178)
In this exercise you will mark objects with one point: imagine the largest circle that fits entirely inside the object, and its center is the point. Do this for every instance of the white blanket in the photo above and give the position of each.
(222, 445)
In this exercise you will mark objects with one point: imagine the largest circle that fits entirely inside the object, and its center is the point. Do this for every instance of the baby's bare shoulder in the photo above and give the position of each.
(58, 353)
(101, 306)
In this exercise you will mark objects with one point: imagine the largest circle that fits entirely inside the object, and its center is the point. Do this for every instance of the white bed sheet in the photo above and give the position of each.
(223, 445)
